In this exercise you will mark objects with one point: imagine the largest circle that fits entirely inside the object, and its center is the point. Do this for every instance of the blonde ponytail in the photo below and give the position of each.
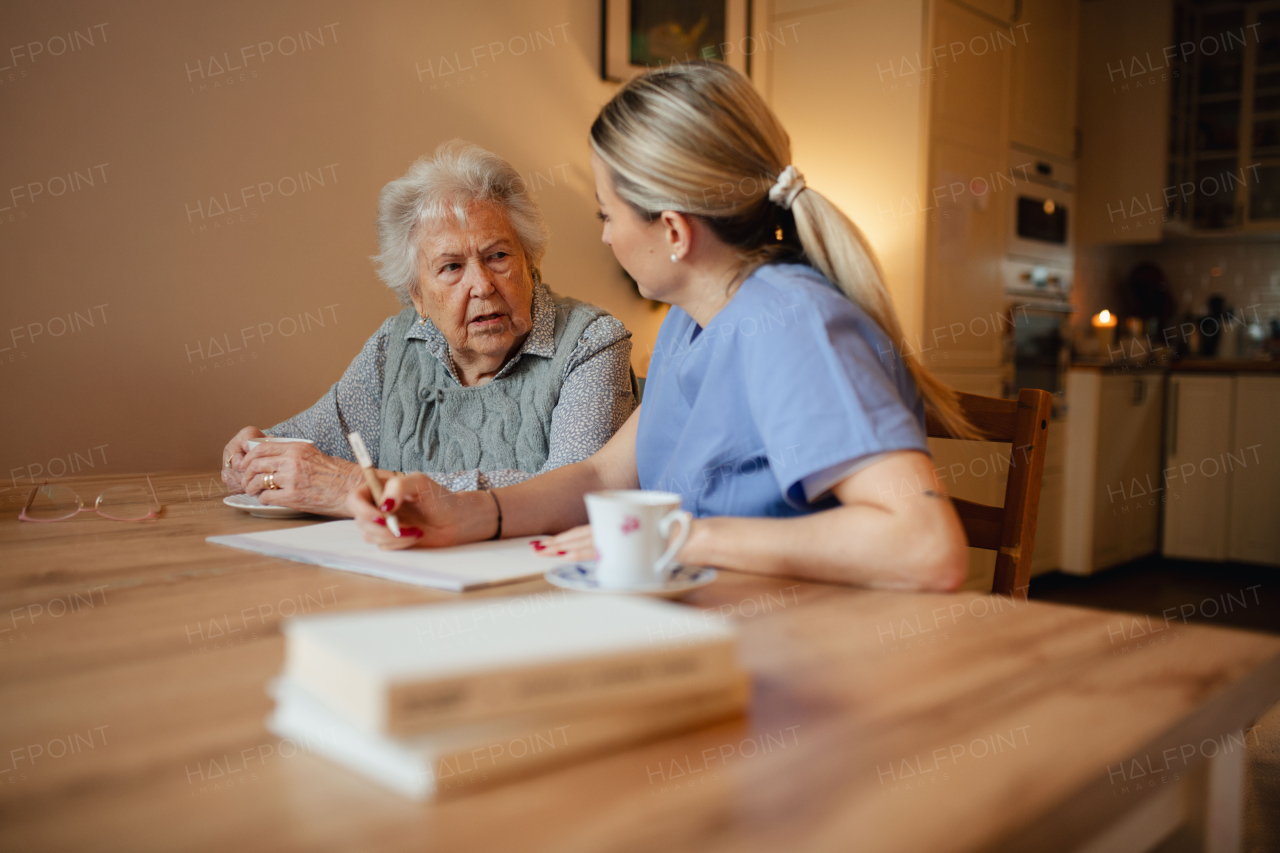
(697, 138)
(838, 249)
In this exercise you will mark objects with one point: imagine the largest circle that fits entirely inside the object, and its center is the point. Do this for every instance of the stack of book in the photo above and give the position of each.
(436, 698)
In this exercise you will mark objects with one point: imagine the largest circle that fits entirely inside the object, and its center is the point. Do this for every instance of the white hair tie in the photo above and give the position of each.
(788, 186)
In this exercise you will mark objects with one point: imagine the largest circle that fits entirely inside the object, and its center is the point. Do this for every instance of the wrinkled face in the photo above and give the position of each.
(475, 285)
(637, 243)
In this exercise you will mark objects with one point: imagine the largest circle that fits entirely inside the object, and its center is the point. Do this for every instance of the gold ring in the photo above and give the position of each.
(269, 480)
(227, 464)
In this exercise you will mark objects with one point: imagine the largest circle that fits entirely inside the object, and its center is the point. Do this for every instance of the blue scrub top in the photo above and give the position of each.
(790, 379)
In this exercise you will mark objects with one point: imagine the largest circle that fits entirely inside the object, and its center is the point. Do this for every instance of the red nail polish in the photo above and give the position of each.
(381, 521)
(411, 531)
(561, 553)
(386, 505)
(539, 546)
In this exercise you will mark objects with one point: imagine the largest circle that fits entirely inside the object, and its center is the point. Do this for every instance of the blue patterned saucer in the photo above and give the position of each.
(581, 577)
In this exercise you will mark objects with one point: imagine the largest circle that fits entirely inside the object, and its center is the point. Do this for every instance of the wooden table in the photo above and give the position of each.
(135, 656)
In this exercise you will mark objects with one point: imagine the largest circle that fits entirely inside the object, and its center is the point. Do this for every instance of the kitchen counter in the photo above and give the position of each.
(1225, 365)
(1165, 362)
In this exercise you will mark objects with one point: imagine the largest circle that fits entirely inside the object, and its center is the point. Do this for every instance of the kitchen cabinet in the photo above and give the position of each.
(965, 247)
(1043, 100)
(1221, 466)
(1225, 143)
(1179, 119)
(1255, 486)
(965, 239)
(1255, 527)
(1111, 475)
(1199, 436)
(1124, 121)
(1048, 549)
(970, 102)
(1002, 10)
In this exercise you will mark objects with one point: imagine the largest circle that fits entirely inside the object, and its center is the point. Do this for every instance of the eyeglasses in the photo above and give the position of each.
(55, 502)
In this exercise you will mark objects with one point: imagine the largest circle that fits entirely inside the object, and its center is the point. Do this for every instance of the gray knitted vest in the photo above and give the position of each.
(431, 423)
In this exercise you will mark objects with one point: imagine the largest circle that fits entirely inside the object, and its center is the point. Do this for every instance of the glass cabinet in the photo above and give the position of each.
(1224, 134)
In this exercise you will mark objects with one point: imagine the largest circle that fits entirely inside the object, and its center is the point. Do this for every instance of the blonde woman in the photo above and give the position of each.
(776, 403)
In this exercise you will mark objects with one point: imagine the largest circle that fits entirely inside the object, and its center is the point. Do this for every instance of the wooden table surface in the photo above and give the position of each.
(135, 657)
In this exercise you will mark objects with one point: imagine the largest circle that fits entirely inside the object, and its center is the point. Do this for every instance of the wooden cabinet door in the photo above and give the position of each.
(1124, 122)
(965, 245)
(1142, 471)
(1048, 546)
(970, 95)
(1043, 100)
(1123, 430)
(1254, 464)
(1001, 9)
(1127, 498)
(1199, 436)
(1079, 470)
(1049, 523)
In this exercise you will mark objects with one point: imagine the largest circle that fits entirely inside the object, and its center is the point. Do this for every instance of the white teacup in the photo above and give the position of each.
(630, 529)
(276, 439)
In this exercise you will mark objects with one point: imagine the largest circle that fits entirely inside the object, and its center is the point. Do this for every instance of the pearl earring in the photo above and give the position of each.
(674, 258)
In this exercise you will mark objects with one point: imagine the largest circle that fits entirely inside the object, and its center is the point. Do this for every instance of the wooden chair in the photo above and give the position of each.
(1010, 530)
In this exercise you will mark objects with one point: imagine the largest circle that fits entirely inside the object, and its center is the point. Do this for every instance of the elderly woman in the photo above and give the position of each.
(486, 377)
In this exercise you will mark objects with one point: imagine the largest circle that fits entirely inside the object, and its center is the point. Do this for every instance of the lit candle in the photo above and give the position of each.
(1104, 326)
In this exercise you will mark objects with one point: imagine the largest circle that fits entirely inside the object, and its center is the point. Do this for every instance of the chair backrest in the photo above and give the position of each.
(1010, 530)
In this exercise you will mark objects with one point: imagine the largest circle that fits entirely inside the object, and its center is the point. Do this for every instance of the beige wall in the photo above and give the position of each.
(857, 127)
(143, 321)
(117, 296)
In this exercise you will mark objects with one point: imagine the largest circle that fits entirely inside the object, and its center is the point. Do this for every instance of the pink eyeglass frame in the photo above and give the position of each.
(22, 516)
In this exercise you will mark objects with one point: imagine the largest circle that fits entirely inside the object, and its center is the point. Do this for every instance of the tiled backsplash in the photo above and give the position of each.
(1245, 272)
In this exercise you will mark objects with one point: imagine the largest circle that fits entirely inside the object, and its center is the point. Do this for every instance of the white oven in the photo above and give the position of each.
(1042, 201)
(1036, 352)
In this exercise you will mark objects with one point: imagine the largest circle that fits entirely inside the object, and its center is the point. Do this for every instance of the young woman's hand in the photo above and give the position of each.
(426, 511)
(573, 544)
(577, 544)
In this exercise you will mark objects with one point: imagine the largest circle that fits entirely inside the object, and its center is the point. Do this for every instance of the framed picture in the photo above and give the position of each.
(637, 35)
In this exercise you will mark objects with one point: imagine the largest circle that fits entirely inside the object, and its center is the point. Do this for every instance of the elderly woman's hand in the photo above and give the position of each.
(233, 454)
(304, 478)
(426, 513)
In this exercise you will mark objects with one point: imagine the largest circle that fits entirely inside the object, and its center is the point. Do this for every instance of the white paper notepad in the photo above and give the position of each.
(338, 545)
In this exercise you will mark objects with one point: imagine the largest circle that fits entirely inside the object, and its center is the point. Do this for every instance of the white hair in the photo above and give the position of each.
(438, 190)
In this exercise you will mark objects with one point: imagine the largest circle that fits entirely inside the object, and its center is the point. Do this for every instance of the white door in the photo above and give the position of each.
(1254, 464)
(1198, 437)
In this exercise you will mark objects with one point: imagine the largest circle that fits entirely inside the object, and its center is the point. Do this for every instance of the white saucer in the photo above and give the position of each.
(581, 577)
(253, 506)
